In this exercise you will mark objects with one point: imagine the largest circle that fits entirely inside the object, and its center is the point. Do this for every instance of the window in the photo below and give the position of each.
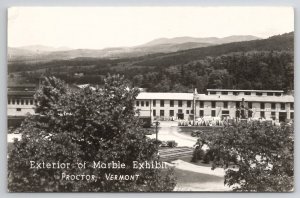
(171, 112)
(225, 112)
(213, 113)
(201, 104)
(273, 115)
(154, 103)
(31, 102)
(26, 102)
(236, 93)
(262, 105)
(192, 111)
(189, 104)
(292, 115)
(18, 101)
(292, 106)
(262, 114)
(212, 93)
(250, 105)
(179, 110)
(147, 103)
(213, 104)
(179, 103)
(162, 103)
(187, 112)
(22, 101)
(171, 103)
(201, 113)
(282, 106)
(8, 100)
(13, 101)
(162, 113)
(270, 94)
(224, 93)
(273, 105)
(250, 114)
(154, 112)
(237, 104)
(142, 103)
(258, 93)
(225, 105)
(247, 93)
(277, 94)
(137, 103)
(19, 109)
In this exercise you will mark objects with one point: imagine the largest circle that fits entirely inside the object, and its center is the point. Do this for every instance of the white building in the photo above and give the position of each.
(20, 99)
(221, 103)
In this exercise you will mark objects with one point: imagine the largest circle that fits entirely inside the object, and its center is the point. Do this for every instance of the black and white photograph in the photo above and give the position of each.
(150, 99)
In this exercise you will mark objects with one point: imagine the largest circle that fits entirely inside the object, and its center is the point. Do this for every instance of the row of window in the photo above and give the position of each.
(21, 101)
(201, 112)
(213, 104)
(162, 103)
(213, 113)
(246, 93)
(143, 103)
(172, 112)
(273, 106)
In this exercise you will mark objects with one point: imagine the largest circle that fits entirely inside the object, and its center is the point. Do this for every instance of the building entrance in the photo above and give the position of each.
(180, 116)
(282, 116)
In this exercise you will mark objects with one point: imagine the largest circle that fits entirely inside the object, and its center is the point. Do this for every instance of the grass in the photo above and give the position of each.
(184, 176)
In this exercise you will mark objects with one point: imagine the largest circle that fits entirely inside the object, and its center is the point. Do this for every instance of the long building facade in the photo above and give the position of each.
(218, 103)
(221, 103)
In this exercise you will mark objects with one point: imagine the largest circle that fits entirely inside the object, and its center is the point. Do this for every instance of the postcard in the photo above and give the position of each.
(150, 99)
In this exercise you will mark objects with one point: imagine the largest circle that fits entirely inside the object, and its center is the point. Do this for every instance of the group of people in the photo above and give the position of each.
(217, 121)
(204, 121)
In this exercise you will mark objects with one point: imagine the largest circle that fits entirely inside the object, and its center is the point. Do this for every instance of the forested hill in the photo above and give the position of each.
(276, 43)
(258, 64)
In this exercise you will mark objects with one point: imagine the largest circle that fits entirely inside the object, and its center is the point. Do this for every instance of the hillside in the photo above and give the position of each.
(44, 54)
(275, 43)
(258, 64)
(211, 40)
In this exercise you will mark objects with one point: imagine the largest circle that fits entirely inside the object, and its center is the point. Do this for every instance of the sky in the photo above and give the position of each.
(102, 27)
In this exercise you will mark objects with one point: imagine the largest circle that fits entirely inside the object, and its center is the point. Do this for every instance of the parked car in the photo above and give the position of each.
(164, 144)
(196, 133)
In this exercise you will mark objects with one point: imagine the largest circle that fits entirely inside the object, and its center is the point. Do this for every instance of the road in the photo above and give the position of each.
(169, 130)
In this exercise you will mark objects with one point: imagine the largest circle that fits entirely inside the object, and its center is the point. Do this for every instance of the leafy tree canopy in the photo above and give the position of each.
(262, 154)
(84, 125)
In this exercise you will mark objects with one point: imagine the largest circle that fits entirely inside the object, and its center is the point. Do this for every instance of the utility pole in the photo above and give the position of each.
(194, 105)
(156, 124)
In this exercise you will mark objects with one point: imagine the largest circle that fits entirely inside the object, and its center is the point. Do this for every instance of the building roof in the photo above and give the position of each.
(204, 97)
(164, 96)
(284, 98)
(243, 90)
(21, 93)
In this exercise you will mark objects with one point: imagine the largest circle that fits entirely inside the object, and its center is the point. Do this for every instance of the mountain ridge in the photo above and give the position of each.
(45, 53)
(214, 40)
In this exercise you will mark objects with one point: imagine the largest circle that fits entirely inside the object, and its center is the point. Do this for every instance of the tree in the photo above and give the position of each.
(262, 153)
(85, 125)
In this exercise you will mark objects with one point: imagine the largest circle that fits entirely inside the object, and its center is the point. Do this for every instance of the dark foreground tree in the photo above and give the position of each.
(84, 125)
(257, 156)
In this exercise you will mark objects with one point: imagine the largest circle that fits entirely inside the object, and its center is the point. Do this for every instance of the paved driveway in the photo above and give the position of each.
(169, 130)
